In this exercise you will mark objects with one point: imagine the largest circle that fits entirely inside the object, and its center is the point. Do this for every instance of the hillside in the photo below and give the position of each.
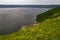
(53, 13)
(47, 28)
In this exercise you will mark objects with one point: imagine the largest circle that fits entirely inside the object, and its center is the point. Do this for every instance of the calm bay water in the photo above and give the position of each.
(11, 19)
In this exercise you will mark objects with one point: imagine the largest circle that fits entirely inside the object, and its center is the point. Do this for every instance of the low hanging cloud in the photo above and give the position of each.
(30, 2)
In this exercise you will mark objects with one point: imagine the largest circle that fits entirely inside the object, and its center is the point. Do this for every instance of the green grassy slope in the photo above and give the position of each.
(53, 13)
(48, 29)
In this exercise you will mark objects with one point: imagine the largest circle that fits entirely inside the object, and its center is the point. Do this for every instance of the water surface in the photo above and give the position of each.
(11, 19)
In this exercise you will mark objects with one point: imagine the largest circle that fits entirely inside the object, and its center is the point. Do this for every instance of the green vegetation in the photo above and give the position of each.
(53, 13)
(47, 28)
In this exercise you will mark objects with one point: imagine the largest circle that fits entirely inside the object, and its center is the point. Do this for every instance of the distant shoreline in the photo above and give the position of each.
(29, 6)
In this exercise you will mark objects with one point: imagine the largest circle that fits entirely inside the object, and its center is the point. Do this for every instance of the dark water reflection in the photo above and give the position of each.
(11, 19)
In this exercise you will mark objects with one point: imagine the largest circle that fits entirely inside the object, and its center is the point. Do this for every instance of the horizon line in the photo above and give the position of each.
(29, 6)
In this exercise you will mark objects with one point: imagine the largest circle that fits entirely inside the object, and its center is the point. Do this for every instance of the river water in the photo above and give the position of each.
(11, 19)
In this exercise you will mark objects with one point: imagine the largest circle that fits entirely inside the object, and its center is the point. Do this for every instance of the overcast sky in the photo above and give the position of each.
(29, 2)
